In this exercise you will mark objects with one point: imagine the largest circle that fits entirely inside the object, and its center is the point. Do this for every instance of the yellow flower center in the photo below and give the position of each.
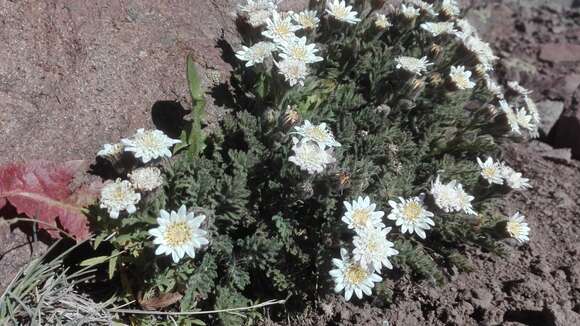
(298, 53)
(317, 134)
(340, 12)
(283, 30)
(361, 216)
(119, 194)
(355, 274)
(307, 22)
(412, 211)
(177, 234)
(514, 228)
(489, 172)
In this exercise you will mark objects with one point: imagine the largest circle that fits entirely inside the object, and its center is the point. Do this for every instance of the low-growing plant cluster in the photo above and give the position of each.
(362, 144)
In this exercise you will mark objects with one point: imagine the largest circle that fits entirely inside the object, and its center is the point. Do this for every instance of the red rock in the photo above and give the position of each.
(560, 52)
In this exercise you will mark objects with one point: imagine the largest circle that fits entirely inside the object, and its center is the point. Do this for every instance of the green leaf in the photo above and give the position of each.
(94, 261)
(113, 264)
(195, 139)
(197, 322)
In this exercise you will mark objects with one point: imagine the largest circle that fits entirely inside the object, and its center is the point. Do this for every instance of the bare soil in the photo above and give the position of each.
(77, 74)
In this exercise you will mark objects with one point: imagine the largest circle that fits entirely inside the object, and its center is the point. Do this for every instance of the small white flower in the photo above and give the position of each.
(524, 119)
(111, 151)
(179, 233)
(409, 12)
(411, 215)
(255, 54)
(515, 85)
(493, 87)
(464, 200)
(310, 157)
(340, 11)
(119, 196)
(450, 8)
(294, 71)
(440, 28)
(258, 11)
(533, 110)
(280, 28)
(371, 248)
(491, 171)
(307, 19)
(297, 49)
(422, 5)
(514, 179)
(362, 214)
(460, 77)
(481, 50)
(146, 179)
(149, 145)
(382, 22)
(451, 197)
(317, 133)
(466, 29)
(352, 277)
(413, 65)
(517, 228)
(511, 117)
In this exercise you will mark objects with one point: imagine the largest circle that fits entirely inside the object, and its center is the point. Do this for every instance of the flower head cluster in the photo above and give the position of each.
(371, 250)
(413, 65)
(307, 19)
(341, 12)
(451, 197)
(460, 77)
(149, 145)
(518, 228)
(313, 151)
(146, 179)
(382, 22)
(111, 151)
(481, 51)
(409, 12)
(450, 8)
(257, 53)
(514, 179)
(117, 196)
(179, 233)
(411, 215)
(258, 11)
(522, 118)
(439, 28)
(424, 6)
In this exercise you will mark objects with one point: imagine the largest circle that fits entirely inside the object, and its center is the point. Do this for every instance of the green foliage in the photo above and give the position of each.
(273, 228)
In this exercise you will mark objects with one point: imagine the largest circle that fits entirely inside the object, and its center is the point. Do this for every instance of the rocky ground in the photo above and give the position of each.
(75, 75)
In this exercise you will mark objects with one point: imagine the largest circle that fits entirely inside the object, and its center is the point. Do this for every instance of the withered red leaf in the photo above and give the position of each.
(45, 191)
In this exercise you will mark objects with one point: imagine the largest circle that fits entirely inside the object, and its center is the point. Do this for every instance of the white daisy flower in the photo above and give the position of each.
(450, 8)
(255, 54)
(310, 157)
(524, 119)
(280, 28)
(481, 50)
(307, 19)
(511, 117)
(409, 12)
(533, 110)
(413, 65)
(297, 49)
(515, 85)
(179, 233)
(411, 215)
(111, 151)
(491, 171)
(493, 87)
(149, 145)
(440, 28)
(382, 22)
(258, 11)
(460, 77)
(517, 228)
(466, 29)
(427, 7)
(445, 195)
(464, 200)
(294, 71)
(362, 214)
(352, 277)
(340, 11)
(514, 179)
(371, 248)
(118, 196)
(146, 179)
(317, 133)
